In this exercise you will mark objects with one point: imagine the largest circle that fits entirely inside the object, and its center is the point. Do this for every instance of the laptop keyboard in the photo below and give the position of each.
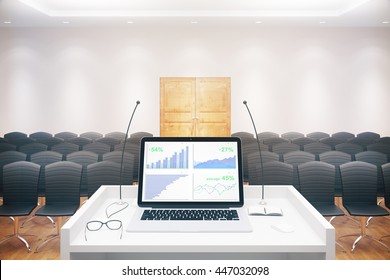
(190, 214)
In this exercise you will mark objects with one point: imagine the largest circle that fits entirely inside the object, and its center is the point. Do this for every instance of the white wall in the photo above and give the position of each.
(299, 79)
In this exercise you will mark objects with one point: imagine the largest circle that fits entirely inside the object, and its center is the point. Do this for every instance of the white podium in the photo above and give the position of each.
(312, 236)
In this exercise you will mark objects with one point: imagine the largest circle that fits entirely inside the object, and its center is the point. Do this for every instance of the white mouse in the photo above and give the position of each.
(283, 227)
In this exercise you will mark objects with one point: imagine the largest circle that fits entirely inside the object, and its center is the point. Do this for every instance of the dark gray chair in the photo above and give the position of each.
(66, 135)
(317, 135)
(349, 148)
(50, 141)
(274, 173)
(386, 179)
(273, 141)
(128, 164)
(84, 158)
(254, 161)
(295, 158)
(65, 149)
(247, 149)
(40, 135)
(316, 149)
(62, 193)
(267, 135)
(360, 195)
(344, 136)
(79, 141)
(102, 173)
(15, 135)
(140, 134)
(32, 148)
(7, 147)
(336, 158)
(133, 149)
(384, 140)
(243, 134)
(332, 141)
(92, 135)
(292, 135)
(6, 158)
(116, 135)
(284, 148)
(20, 194)
(380, 147)
(303, 141)
(109, 141)
(98, 148)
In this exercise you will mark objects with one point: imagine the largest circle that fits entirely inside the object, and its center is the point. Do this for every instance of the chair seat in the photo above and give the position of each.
(329, 210)
(366, 210)
(17, 210)
(57, 210)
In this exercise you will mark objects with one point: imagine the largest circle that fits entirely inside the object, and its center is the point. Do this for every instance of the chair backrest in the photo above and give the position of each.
(384, 140)
(275, 173)
(66, 135)
(317, 135)
(14, 135)
(92, 135)
(9, 157)
(32, 148)
(349, 148)
(380, 147)
(317, 148)
(273, 141)
(369, 137)
(139, 135)
(21, 183)
(63, 183)
(133, 149)
(98, 148)
(80, 141)
(266, 135)
(128, 164)
(116, 135)
(84, 158)
(377, 159)
(50, 141)
(253, 160)
(292, 135)
(386, 179)
(102, 173)
(284, 148)
(332, 141)
(65, 148)
(44, 158)
(243, 134)
(359, 181)
(40, 135)
(303, 141)
(343, 135)
(295, 158)
(109, 141)
(317, 182)
(7, 147)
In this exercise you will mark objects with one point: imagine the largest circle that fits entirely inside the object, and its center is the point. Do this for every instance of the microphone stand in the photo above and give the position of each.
(262, 202)
(121, 203)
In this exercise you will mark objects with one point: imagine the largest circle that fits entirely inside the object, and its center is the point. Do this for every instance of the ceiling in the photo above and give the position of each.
(53, 13)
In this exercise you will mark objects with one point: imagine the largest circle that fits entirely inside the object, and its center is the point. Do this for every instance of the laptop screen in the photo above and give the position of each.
(184, 171)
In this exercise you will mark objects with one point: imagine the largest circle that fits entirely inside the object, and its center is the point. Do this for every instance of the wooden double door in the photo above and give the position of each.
(195, 107)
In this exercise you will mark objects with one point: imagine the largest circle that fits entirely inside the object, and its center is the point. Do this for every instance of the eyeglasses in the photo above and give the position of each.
(97, 225)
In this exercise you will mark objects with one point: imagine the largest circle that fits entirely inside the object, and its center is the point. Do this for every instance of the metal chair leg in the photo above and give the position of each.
(52, 236)
(17, 235)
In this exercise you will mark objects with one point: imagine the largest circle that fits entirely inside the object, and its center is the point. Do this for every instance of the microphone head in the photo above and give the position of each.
(244, 102)
(138, 102)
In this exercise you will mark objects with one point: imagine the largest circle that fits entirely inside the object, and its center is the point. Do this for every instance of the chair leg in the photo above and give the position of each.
(363, 234)
(52, 236)
(17, 235)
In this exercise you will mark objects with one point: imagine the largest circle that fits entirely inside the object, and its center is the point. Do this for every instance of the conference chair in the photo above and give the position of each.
(6, 158)
(386, 178)
(378, 159)
(247, 149)
(384, 140)
(50, 141)
(295, 158)
(21, 141)
(84, 158)
(102, 173)
(32, 148)
(292, 135)
(14, 135)
(369, 135)
(128, 164)
(20, 194)
(284, 148)
(109, 141)
(344, 136)
(273, 141)
(91, 135)
(242, 134)
(254, 160)
(336, 158)
(7, 147)
(40, 135)
(139, 135)
(62, 193)
(65, 135)
(133, 149)
(349, 148)
(116, 135)
(80, 141)
(42, 159)
(380, 147)
(274, 173)
(317, 135)
(266, 135)
(98, 148)
(359, 181)
(65, 149)
(303, 141)
(316, 149)
(331, 141)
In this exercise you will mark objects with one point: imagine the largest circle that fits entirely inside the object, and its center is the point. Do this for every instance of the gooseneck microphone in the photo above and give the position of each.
(263, 202)
(122, 203)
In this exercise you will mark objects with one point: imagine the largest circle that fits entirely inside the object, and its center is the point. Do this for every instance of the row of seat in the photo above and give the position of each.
(94, 172)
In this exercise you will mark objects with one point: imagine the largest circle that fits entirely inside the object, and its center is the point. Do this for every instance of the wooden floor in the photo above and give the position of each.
(14, 249)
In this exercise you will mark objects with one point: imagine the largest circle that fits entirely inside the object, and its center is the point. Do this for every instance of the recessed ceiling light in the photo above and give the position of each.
(194, 22)
(385, 22)
(130, 22)
(65, 22)
(258, 22)
(322, 22)
(7, 22)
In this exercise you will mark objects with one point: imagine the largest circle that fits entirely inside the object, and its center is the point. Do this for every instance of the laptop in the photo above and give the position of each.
(190, 184)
